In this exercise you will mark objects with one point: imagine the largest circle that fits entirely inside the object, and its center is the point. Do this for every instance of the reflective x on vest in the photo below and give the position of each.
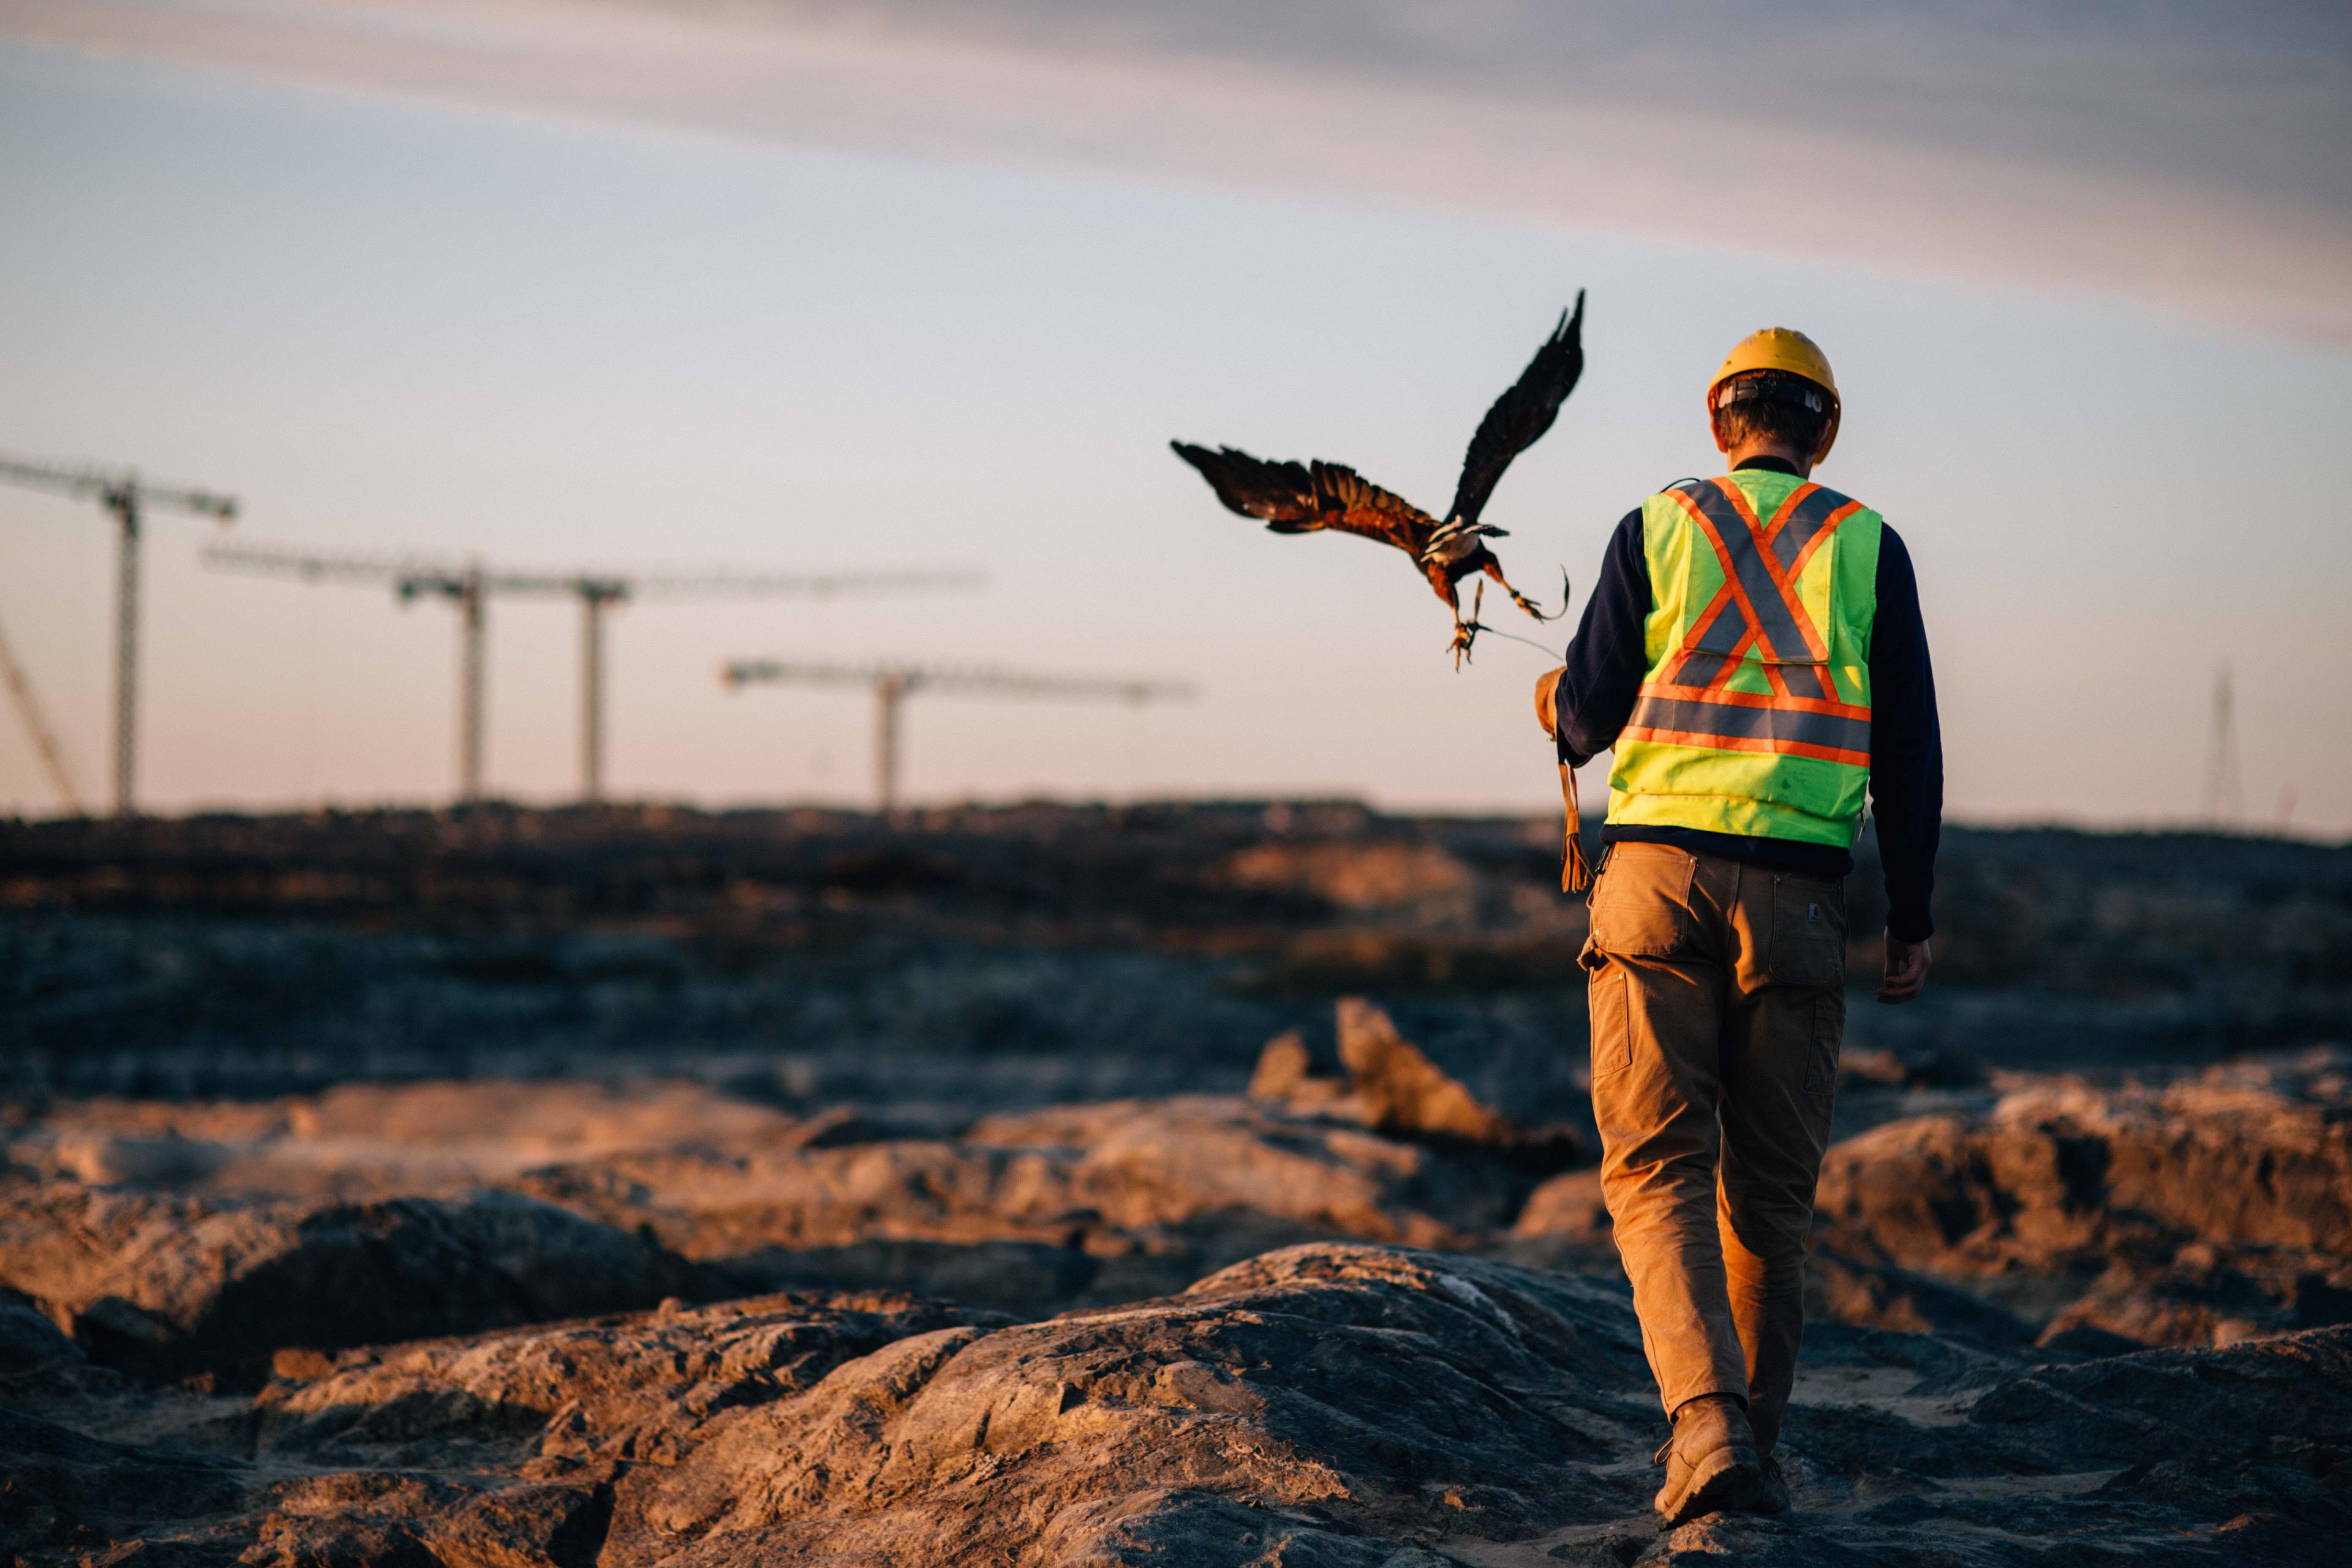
(1757, 617)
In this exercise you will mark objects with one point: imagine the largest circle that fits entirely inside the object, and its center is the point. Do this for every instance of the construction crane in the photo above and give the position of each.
(893, 683)
(45, 743)
(470, 585)
(126, 498)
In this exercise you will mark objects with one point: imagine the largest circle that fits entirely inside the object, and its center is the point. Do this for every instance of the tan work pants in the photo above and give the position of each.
(1717, 1001)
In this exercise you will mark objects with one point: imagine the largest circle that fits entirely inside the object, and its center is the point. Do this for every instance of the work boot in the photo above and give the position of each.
(1772, 1491)
(1764, 1421)
(1710, 1461)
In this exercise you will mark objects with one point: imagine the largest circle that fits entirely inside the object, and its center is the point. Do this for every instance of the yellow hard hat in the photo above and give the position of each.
(1782, 349)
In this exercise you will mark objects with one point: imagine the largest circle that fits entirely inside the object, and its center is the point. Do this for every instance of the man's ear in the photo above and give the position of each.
(1715, 428)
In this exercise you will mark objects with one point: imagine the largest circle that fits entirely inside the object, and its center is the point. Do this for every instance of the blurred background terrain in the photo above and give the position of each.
(963, 960)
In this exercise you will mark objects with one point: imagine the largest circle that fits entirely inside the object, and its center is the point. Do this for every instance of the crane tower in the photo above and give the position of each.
(126, 498)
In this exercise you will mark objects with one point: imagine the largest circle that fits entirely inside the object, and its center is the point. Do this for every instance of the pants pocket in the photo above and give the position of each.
(1612, 1022)
(1808, 932)
(1641, 905)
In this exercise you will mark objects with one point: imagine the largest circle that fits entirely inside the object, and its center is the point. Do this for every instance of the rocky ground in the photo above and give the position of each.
(1028, 1187)
(1354, 1316)
(1327, 1403)
(954, 962)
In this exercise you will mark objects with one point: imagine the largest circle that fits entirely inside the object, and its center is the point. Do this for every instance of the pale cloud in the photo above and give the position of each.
(2187, 156)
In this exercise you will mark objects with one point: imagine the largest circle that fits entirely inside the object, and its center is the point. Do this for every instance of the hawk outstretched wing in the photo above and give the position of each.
(1521, 416)
(1295, 497)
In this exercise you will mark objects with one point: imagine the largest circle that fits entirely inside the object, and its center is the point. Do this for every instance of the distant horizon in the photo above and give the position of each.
(1403, 812)
(504, 315)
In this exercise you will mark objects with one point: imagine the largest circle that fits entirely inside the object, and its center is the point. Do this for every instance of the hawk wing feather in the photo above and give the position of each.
(1521, 416)
(1293, 498)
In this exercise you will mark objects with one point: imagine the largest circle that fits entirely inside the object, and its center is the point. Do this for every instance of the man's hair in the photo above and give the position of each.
(1772, 405)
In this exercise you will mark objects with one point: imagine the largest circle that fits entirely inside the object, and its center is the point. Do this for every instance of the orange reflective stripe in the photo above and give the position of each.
(1839, 510)
(1759, 607)
(1714, 644)
(1743, 721)
(1807, 518)
(1795, 512)
(1758, 532)
(1758, 700)
(1784, 588)
(1707, 511)
(1722, 680)
(1774, 611)
(1728, 733)
(1745, 744)
(1723, 514)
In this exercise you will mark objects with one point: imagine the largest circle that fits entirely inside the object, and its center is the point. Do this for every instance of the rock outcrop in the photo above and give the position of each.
(636, 1388)
(2198, 1212)
(1037, 1210)
(1090, 1204)
(1388, 1084)
(1332, 1403)
(2194, 1212)
(189, 1237)
(170, 1286)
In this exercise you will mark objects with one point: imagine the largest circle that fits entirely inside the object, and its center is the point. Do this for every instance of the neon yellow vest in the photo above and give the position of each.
(1753, 717)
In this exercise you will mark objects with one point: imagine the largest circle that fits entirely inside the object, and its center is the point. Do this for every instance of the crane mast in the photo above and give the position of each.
(126, 498)
(595, 597)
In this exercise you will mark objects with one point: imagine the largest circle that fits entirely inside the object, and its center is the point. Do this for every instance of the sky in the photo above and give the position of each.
(785, 287)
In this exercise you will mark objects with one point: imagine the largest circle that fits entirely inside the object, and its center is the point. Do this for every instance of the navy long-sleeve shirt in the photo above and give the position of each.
(1606, 662)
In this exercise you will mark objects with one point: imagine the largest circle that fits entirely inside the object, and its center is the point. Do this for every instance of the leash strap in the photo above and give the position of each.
(1575, 871)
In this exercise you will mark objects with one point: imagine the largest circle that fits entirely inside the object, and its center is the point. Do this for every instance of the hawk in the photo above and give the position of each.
(1293, 498)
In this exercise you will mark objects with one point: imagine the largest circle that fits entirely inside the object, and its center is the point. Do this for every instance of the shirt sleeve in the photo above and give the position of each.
(1907, 746)
(1606, 659)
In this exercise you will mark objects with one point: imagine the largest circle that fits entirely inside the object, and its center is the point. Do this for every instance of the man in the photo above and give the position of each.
(1754, 656)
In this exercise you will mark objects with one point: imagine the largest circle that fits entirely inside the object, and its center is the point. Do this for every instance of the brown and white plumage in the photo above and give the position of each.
(1294, 498)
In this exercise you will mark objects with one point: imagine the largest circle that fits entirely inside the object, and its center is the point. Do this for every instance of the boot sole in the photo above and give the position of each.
(1726, 1480)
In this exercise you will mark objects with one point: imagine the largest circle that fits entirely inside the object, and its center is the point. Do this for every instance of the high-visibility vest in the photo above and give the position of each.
(1754, 716)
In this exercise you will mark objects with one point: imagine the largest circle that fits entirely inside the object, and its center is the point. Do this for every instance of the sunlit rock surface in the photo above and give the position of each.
(2195, 1211)
(1336, 1403)
(1357, 1316)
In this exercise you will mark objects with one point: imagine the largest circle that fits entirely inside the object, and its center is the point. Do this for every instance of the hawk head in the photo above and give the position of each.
(1457, 538)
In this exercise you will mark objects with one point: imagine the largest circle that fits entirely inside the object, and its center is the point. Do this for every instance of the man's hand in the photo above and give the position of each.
(1547, 684)
(1907, 968)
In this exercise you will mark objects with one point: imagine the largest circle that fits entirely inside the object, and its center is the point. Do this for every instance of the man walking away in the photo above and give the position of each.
(1754, 655)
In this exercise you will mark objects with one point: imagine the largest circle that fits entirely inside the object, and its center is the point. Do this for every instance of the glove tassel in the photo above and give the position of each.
(1575, 871)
